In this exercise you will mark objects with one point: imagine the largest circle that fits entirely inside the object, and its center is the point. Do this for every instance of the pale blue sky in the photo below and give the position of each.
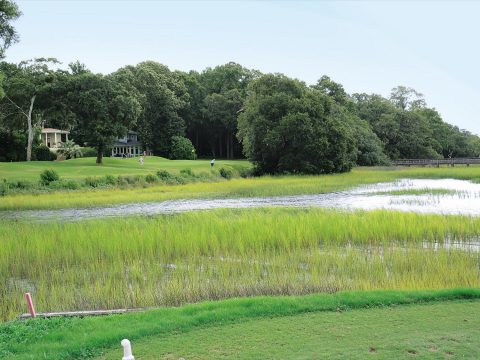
(368, 46)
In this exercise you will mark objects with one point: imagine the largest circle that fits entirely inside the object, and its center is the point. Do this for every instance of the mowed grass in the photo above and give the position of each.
(250, 187)
(190, 257)
(75, 338)
(427, 331)
(86, 167)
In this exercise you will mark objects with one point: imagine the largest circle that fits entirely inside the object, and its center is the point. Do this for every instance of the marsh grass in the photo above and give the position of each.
(176, 259)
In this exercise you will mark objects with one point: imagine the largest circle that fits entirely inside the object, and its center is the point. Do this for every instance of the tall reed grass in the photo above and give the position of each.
(175, 259)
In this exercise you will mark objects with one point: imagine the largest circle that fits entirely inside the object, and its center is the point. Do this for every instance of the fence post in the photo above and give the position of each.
(127, 350)
(31, 309)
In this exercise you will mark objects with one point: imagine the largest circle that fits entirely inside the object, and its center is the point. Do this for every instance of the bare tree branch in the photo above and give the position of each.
(18, 107)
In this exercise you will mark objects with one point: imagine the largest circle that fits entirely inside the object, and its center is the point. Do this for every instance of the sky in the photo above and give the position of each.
(367, 46)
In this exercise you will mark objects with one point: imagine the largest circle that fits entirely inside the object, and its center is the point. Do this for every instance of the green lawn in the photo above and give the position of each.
(276, 327)
(84, 167)
(427, 331)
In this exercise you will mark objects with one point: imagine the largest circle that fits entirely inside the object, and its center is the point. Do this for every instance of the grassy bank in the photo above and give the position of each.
(261, 186)
(175, 259)
(90, 337)
(442, 330)
(86, 167)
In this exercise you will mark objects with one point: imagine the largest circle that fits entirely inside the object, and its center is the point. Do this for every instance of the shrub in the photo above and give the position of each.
(245, 172)
(43, 153)
(181, 149)
(187, 173)
(21, 184)
(69, 150)
(130, 179)
(93, 181)
(4, 188)
(64, 184)
(110, 180)
(49, 175)
(121, 181)
(168, 178)
(150, 178)
(226, 173)
(89, 152)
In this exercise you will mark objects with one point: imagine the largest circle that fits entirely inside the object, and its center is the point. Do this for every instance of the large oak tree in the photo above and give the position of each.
(104, 109)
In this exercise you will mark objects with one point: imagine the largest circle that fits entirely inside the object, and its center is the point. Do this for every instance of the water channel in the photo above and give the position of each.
(432, 196)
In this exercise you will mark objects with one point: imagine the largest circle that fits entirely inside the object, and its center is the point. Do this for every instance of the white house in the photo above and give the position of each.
(128, 146)
(53, 137)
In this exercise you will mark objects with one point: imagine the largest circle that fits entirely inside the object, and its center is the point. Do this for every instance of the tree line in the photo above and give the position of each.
(279, 123)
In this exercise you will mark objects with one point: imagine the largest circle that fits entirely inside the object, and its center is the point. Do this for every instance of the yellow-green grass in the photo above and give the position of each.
(260, 186)
(441, 330)
(176, 259)
(86, 167)
(76, 338)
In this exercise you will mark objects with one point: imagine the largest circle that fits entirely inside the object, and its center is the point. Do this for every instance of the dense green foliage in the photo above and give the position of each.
(288, 127)
(281, 124)
(43, 153)
(28, 96)
(182, 149)
(8, 36)
(12, 145)
(162, 96)
(69, 150)
(48, 176)
(76, 338)
(104, 109)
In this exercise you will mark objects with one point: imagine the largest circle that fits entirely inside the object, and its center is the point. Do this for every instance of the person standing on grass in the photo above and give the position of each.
(212, 163)
(141, 160)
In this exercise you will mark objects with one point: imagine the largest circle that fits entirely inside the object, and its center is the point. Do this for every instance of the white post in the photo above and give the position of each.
(127, 350)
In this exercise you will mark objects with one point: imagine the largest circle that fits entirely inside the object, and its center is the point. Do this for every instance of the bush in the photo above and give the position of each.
(245, 172)
(187, 173)
(168, 178)
(64, 184)
(226, 173)
(131, 179)
(94, 181)
(43, 153)
(4, 188)
(121, 181)
(181, 149)
(47, 176)
(21, 184)
(110, 180)
(89, 152)
(150, 178)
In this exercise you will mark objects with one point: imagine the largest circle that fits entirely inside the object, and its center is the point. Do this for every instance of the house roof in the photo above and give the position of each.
(50, 131)
(129, 143)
